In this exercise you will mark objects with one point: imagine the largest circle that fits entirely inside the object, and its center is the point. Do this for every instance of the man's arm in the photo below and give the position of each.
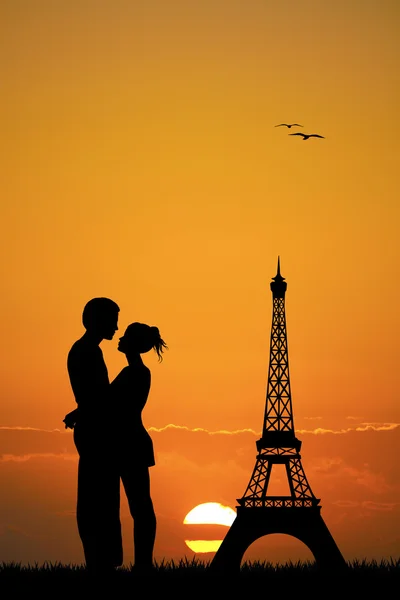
(71, 419)
(89, 381)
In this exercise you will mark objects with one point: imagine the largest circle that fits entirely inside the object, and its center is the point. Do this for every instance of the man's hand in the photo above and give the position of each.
(71, 419)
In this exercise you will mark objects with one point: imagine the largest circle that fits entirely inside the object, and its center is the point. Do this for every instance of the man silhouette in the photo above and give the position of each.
(98, 496)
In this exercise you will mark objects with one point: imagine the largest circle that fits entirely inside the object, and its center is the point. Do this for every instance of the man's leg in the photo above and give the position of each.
(110, 523)
(98, 511)
(86, 511)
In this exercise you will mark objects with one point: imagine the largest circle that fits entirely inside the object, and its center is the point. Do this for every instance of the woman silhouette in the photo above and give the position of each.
(131, 441)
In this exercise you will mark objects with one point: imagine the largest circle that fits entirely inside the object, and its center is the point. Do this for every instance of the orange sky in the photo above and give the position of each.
(140, 161)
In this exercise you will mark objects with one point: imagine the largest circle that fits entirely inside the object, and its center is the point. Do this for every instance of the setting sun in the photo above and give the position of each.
(209, 513)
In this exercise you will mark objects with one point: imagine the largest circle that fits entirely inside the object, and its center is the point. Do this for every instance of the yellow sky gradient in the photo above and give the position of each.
(140, 161)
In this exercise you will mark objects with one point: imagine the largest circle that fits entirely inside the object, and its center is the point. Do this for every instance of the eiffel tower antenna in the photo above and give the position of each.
(258, 513)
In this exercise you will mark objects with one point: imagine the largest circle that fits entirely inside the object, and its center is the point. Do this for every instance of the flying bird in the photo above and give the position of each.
(289, 125)
(307, 135)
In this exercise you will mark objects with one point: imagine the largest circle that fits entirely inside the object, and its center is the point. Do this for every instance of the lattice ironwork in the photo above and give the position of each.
(278, 502)
(277, 451)
(298, 483)
(278, 444)
(278, 410)
(298, 513)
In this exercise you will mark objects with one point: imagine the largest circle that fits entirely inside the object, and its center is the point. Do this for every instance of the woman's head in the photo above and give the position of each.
(141, 338)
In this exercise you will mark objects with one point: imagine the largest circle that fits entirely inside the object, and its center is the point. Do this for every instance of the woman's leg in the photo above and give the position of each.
(136, 482)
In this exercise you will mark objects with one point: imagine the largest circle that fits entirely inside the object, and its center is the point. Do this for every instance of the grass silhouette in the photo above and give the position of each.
(192, 577)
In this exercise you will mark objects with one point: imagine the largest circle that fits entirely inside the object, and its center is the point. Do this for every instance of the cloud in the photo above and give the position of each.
(369, 505)
(28, 441)
(381, 506)
(366, 477)
(18, 428)
(362, 427)
(346, 503)
(201, 450)
(26, 457)
(351, 476)
(201, 430)
(316, 431)
(377, 426)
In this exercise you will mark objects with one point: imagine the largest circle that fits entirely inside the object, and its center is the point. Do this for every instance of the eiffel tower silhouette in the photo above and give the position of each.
(259, 514)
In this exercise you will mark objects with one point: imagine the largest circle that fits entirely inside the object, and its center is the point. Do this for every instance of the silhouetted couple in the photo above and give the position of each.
(111, 440)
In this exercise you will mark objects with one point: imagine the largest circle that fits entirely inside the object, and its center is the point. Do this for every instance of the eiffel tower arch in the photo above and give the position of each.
(299, 513)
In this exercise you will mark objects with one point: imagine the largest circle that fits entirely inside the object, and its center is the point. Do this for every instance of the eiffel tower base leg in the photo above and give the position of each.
(305, 524)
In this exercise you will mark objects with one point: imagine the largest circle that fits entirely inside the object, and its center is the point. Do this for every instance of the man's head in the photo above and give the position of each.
(100, 317)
